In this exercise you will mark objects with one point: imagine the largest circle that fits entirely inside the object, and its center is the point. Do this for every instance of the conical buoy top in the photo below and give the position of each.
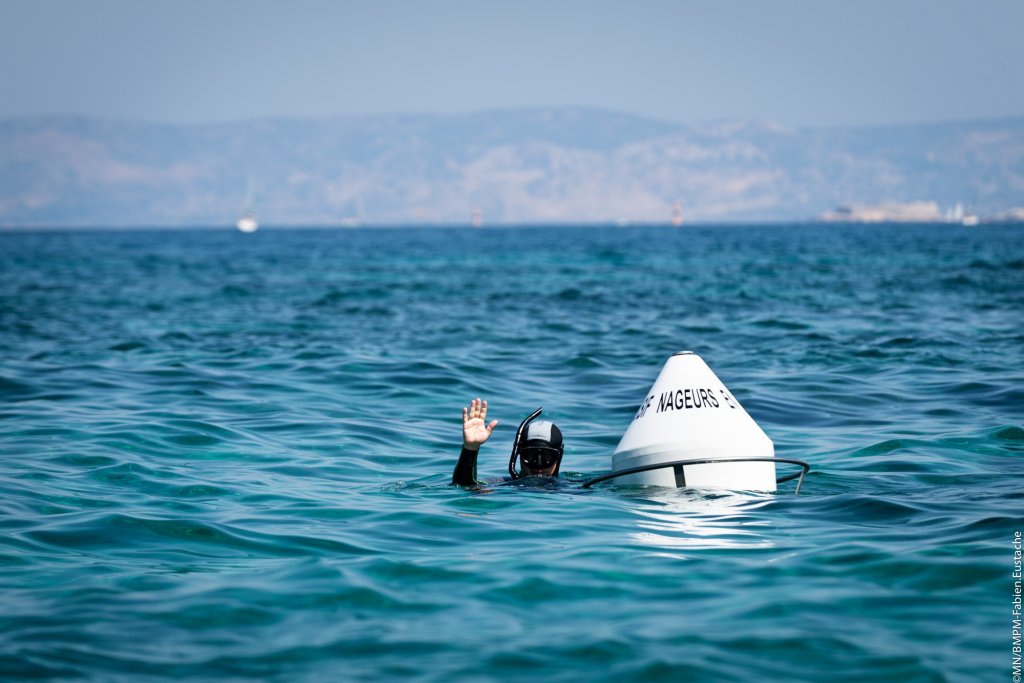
(690, 414)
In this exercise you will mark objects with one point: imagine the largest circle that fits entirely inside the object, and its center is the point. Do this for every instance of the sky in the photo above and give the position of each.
(791, 62)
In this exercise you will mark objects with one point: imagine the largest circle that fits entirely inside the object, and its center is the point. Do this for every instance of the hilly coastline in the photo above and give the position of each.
(562, 165)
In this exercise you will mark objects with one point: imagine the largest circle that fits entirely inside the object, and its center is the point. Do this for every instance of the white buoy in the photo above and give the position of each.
(687, 415)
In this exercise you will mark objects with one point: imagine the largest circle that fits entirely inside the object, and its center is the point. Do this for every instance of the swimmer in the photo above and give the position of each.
(538, 445)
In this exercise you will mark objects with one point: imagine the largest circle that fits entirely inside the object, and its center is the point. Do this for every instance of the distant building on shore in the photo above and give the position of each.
(677, 214)
(1014, 215)
(912, 212)
(917, 212)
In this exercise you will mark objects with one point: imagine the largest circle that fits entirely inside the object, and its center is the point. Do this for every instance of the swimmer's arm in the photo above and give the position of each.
(465, 468)
(475, 431)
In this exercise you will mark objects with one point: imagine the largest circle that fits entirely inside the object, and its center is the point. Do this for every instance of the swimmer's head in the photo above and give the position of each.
(541, 449)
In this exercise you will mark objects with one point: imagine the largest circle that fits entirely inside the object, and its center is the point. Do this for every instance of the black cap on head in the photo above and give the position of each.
(542, 445)
(542, 433)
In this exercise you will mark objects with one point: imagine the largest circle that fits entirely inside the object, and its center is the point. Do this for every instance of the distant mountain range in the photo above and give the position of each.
(565, 165)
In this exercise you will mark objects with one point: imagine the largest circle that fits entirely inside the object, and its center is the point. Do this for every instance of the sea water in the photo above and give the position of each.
(227, 456)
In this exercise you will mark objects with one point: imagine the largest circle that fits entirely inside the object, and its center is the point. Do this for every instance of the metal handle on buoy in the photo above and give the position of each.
(805, 468)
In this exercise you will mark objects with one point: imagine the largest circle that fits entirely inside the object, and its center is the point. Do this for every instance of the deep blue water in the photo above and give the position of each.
(226, 456)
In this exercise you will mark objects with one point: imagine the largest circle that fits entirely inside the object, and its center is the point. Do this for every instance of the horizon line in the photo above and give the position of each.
(285, 227)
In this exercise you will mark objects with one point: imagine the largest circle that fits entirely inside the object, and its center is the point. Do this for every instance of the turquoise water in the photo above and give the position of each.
(225, 456)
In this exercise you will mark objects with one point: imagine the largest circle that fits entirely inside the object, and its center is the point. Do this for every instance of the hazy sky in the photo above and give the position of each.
(808, 62)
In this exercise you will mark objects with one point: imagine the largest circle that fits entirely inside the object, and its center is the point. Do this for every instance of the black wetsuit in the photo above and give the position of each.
(465, 468)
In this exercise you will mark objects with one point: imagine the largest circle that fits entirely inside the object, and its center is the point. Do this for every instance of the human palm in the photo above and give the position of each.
(475, 429)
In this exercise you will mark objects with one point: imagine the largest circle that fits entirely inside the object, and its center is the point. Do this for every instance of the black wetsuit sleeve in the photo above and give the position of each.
(465, 468)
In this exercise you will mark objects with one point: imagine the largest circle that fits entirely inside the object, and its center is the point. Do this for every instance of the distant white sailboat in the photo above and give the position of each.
(967, 218)
(247, 223)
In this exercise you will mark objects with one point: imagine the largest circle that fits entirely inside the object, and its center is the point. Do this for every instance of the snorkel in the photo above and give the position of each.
(515, 444)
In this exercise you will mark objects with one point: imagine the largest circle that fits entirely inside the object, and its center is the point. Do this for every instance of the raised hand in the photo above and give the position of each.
(475, 429)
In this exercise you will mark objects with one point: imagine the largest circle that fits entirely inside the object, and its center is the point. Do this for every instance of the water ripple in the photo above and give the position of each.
(227, 458)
